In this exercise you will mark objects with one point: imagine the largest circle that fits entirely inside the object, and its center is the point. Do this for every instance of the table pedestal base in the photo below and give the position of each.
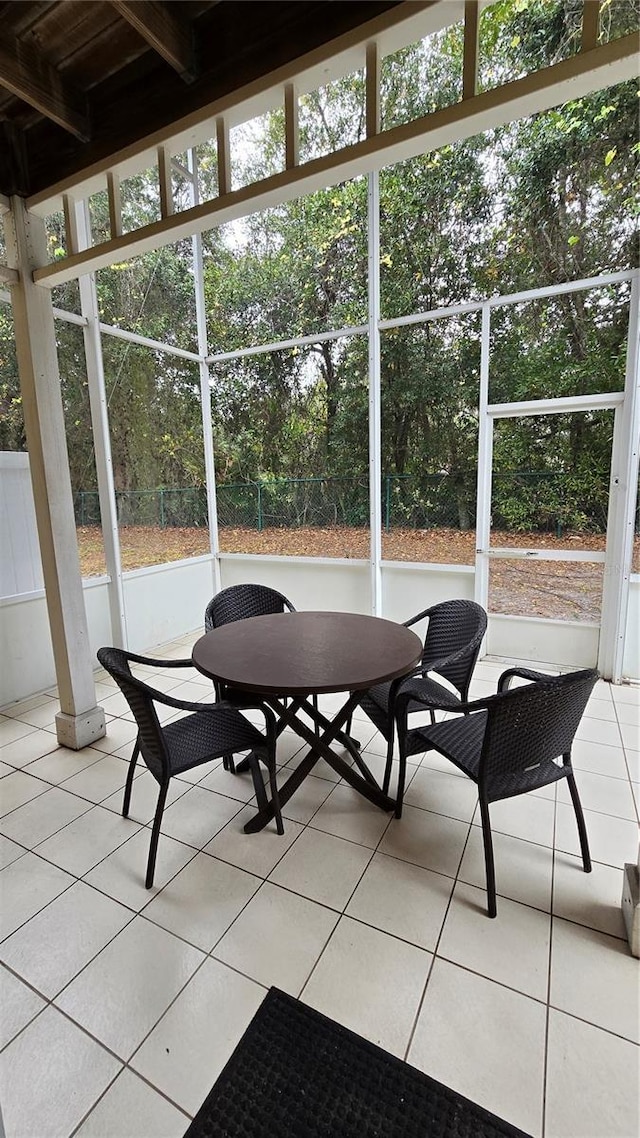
(327, 731)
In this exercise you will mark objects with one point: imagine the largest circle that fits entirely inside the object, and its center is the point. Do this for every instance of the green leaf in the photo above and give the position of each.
(573, 240)
(610, 155)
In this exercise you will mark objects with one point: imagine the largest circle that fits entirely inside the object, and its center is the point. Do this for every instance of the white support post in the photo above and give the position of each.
(485, 459)
(165, 182)
(70, 226)
(80, 720)
(224, 162)
(291, 127)
(375, 416)
(101, 440)
(115, 204)
(205, 385)
(590, 24)
(372, 89)
(470, 57)
(622, 499)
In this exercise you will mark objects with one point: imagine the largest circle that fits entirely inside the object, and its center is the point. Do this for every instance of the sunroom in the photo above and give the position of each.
(346, 331)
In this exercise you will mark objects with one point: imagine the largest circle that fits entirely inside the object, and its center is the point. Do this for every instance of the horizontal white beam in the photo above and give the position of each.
(505, 553)
(70, 317)
(433, 314)
(296, 342)
(570, 79)
(11, 276)
(145, 342)
(604, 402)
(566, 286)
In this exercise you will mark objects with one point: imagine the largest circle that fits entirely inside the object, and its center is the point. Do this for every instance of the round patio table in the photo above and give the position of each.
(285, 658)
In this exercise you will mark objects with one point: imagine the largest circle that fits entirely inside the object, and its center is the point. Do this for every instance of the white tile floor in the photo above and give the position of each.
(120, 1006)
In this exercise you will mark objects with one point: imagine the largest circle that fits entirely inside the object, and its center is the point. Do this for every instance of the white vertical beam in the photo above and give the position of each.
(590, 24)
(101, 440)
(470, 57)
(205, 384)
(115, 205)
(485, 459)
(291, 127)
(375, 416)
(70, 226)
(622, 500)
(224, 159)
(165, 182)
(372, 89)
(80, 721)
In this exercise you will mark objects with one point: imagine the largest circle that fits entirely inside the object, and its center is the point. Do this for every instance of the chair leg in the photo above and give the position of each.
(492, 908)
(388, 765)
(129, 782)
(155, 834)
(402, 774)
(582, 829)
(275, 798)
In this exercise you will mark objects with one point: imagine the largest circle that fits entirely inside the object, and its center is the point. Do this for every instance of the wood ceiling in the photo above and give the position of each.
(80, 79)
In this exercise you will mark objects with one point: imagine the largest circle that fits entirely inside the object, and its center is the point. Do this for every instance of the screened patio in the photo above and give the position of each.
(64, 721)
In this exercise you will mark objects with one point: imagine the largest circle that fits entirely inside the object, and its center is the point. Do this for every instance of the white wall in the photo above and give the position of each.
(324, 584)
(20, 564)
(168, 601)
(631, 660)
(562, 642)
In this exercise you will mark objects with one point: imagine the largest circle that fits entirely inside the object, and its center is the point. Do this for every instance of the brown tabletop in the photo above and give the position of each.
(297, 653)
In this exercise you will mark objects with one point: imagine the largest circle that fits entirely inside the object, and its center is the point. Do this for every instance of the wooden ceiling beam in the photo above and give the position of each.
(28, 75)
(169, 36)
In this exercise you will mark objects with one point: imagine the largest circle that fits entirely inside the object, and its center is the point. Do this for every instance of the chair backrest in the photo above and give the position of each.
(239, 602)
(455, 627)
(140, 697)
(531, 725)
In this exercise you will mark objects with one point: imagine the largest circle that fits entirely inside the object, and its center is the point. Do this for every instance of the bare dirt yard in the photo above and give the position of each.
(561, 589)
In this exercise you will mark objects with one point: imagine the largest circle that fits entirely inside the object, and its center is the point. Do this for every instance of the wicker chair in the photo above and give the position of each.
(239, 602)
(451, 647)
(508, 743)
(212, 730)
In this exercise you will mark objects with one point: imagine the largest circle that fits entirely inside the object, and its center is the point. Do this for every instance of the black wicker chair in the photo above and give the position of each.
(212, 730)
(508, 744)
(239, 602)
(451, 647)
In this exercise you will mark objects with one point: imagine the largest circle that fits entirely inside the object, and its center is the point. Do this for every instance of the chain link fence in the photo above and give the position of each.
(521, 501)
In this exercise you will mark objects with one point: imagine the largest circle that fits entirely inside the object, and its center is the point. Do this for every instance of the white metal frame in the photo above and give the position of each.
(593, 68)
(623, 479)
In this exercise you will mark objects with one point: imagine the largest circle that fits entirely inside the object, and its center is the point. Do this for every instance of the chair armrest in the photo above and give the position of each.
(521, 673)
(160, 663)
(403, 700)
(419, 617)
(207, 708)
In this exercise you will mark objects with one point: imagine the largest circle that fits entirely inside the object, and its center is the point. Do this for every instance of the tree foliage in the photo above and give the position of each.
(540, 201)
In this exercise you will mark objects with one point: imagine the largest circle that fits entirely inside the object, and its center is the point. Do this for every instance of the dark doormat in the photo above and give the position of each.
(297, 1074)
